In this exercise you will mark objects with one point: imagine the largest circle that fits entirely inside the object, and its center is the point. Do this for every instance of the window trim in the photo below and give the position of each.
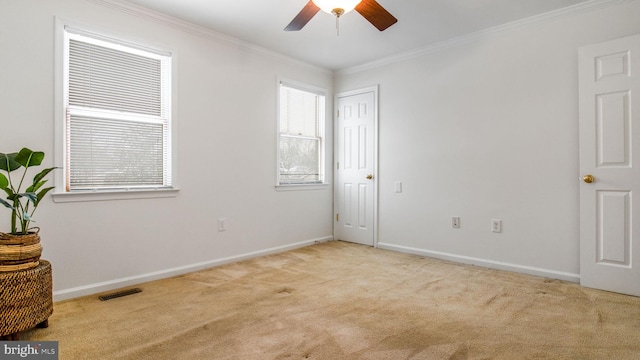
(60, 193)
(322, 119)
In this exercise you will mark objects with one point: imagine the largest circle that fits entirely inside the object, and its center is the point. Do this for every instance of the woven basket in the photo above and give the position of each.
(26, 299)
(19, 252)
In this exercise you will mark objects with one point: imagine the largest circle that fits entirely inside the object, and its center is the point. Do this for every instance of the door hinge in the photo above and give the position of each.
(338, 113)
(337, 217)
(338, 165)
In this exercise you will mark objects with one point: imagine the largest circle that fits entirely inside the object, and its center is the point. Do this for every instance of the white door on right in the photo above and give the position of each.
(609, 75)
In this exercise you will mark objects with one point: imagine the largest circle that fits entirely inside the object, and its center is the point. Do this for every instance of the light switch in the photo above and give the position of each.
(398, 186)
(222, 224)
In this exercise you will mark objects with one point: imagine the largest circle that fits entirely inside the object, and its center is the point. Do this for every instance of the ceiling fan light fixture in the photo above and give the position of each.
(369, 9)
(336, 7)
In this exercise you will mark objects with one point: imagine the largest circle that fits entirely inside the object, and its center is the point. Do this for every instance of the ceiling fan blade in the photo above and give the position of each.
(376, 14)
(303, 17)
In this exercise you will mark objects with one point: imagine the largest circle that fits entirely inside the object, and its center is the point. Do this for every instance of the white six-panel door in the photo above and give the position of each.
(355, 168)
(610, 165)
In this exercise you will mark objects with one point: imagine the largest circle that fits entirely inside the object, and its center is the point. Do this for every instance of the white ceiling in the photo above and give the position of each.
(421, 23)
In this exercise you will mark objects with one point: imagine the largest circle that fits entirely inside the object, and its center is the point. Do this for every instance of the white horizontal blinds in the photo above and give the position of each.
(105, 78)
(300, 140)
(98, 161)
(298, 112)
(118, 106)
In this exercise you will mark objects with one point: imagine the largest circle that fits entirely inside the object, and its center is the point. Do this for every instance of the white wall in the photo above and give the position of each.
(487, 127)
(225, 116)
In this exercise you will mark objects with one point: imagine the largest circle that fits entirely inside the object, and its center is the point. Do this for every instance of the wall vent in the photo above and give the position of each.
(118, 294)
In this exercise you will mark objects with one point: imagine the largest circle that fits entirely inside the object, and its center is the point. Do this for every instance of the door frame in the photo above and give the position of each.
(336, 145)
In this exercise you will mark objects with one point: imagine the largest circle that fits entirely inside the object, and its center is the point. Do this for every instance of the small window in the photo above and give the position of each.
(301, 143)
(117, 111)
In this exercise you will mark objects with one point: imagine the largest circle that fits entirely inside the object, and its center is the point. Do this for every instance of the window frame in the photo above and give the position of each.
(321, 136)
(61, 193)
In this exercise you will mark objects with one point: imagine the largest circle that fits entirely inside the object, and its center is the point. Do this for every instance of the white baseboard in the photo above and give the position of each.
(498, 265)
(71, 293)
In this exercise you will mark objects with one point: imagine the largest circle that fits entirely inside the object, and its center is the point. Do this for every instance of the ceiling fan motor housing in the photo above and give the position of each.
(338, 11)
(336, 7)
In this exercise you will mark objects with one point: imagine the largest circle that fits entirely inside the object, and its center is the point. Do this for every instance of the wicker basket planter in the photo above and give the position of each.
(26, 300)
(19, 252)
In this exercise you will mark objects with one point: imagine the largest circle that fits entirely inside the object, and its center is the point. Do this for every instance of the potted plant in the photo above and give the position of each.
(20, 248)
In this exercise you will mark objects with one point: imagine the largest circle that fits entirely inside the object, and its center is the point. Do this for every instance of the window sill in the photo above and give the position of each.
(105, 195)
(297, 187)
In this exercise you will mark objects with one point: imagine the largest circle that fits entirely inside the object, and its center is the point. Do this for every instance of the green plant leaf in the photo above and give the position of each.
(35, 187)
(18, 200)
(4, 182)
(6, 204)
(30, 195)
(8, 163)
(27, 157)
(41, 195)
(42, 174)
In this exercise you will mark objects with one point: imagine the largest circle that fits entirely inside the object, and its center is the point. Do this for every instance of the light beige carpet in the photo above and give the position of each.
(342, 301)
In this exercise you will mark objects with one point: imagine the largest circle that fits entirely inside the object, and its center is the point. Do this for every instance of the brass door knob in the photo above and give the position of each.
(588, 179)
(370, 176)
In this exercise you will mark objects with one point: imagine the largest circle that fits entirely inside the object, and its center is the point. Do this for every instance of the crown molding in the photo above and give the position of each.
(158, 17)
(588, 6)
(193, 29)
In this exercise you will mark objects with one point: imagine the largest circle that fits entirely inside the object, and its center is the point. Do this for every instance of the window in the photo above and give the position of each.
(300, 145)
(117, 115)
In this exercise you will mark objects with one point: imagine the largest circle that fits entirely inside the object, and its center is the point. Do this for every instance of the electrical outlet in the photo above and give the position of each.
(496, 225)
(455, 222)
(222, 224)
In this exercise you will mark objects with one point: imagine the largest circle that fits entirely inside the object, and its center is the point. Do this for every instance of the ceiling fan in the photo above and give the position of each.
(369, 9)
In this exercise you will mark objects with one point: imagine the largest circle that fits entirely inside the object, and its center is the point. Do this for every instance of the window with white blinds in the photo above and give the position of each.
(118, 106)
(300, 145)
